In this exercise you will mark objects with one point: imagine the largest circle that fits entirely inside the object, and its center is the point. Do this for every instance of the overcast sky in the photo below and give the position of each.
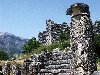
(25, 18)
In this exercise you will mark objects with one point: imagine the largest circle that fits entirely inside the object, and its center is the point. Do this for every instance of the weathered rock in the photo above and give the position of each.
(96, 73)
(81, 33)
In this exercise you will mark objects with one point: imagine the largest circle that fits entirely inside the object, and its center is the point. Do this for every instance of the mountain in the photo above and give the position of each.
(11, 44)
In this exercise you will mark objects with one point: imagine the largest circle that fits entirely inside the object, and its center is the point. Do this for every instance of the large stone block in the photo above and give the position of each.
(96, 73)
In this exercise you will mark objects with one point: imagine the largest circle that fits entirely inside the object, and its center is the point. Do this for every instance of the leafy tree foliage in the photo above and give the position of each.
(64, 36)
(3, 55)
(97, 44)
(30, 45)
(62, 42)
(97, 22)
(64, 39)
(97, 39)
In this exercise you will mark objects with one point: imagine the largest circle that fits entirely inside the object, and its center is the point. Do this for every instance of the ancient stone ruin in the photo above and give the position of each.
(53, 63)
(84, 59)
(80, 59)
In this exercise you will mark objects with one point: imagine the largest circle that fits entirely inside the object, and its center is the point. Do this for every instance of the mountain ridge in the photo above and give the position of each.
(11, 44)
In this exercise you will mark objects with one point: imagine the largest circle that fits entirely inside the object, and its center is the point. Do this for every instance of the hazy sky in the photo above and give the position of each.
(26, 18)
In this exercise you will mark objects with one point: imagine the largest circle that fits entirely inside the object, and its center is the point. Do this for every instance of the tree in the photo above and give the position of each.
(64, 36)
(97, 22)
(97, 44)
(30, 45)
(64, 39)
(3, 55)
(97, 39)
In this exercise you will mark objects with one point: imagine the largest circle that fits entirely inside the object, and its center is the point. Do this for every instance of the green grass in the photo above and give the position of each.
(98, 66)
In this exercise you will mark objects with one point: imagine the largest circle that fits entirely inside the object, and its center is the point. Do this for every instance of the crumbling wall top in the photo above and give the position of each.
(78, 8)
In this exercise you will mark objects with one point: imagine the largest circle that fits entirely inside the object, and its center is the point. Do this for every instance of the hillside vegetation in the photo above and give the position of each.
(64, 41)
(33, 46)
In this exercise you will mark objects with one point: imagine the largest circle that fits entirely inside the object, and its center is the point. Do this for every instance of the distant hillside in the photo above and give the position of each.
(11, 44)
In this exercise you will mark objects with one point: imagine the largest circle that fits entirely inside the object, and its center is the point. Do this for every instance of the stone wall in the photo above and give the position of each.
(59, 63)
(52, 33)
(84, 61)
(80, 59)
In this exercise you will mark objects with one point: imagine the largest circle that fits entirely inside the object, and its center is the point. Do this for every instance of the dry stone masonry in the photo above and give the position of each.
(80, 59)
(53, 63)
(52, 33)
(81, 33)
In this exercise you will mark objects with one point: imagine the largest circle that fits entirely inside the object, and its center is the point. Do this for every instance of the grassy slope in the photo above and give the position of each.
(98, 66)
